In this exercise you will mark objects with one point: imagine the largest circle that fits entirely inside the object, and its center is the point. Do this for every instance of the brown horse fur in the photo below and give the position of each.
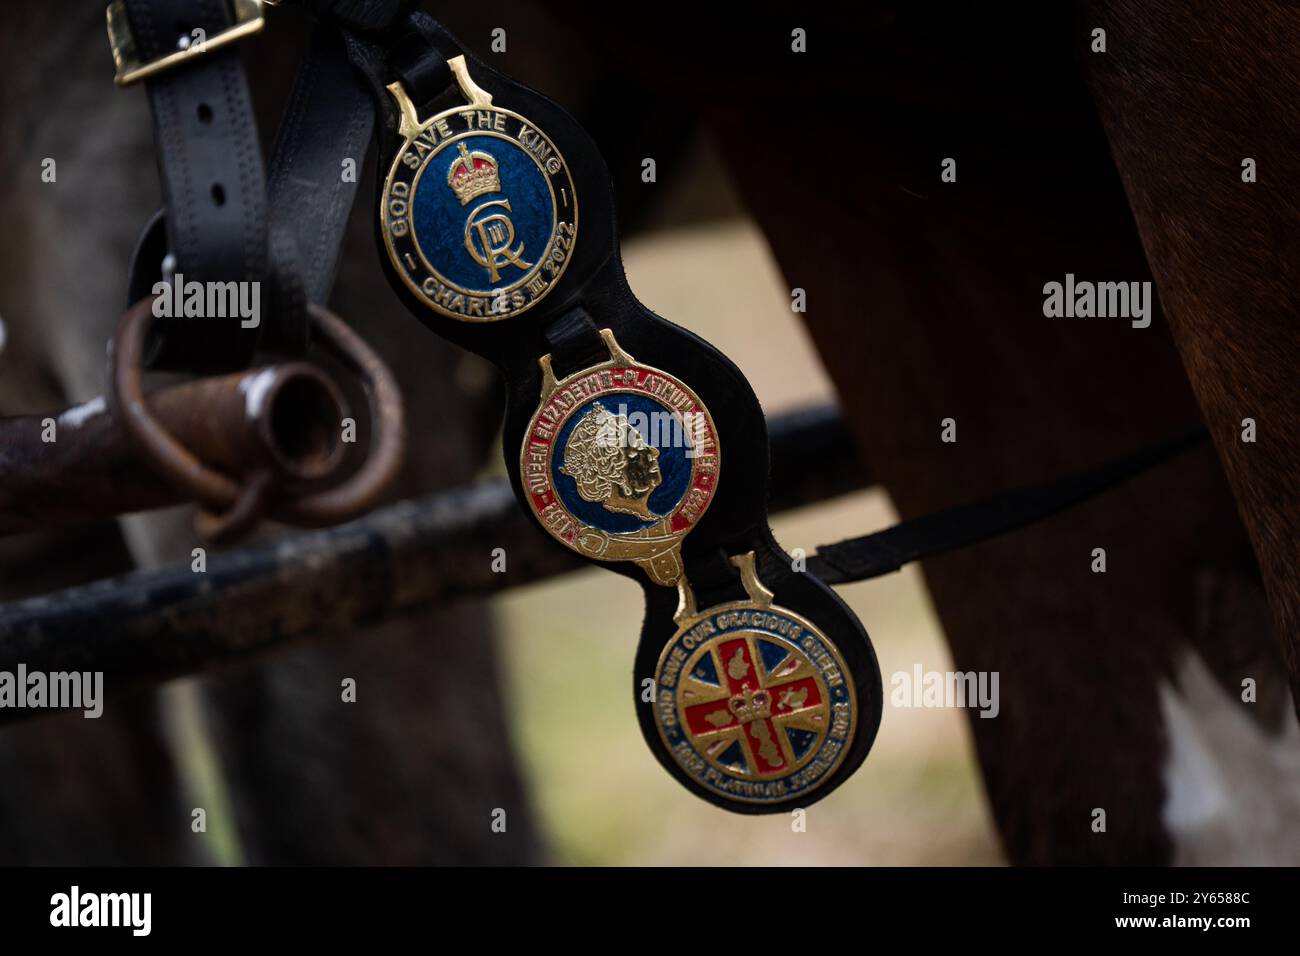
(1187, 92)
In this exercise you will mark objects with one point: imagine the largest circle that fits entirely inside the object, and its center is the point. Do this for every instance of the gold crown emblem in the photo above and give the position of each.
(751, 705)
(473, 174)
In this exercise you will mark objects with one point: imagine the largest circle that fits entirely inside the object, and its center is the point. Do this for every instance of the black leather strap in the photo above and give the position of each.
(420, 67)
(872, 555)
(404, 49)
(211, 169)
(329, 119)
(365, 15)
(575, 342)
(714, 579)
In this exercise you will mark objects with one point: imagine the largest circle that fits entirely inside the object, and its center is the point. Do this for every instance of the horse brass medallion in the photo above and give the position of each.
(620, 461)
(478, 214)
(753, 701)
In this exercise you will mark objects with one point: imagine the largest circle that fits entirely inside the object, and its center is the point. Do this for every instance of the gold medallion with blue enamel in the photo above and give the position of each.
(478, 213)
(620, 461)
(753, 702)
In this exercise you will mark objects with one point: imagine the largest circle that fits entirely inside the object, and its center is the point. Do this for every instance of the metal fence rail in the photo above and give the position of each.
(153, 625)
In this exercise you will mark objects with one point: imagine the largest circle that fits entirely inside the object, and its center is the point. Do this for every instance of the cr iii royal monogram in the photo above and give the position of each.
(479, 212)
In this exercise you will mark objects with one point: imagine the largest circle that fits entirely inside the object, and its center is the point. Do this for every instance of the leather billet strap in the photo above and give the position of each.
(574, 342)
(210, 164)
(328, 121)
(404, 49)
(482, 160)
(366, 16)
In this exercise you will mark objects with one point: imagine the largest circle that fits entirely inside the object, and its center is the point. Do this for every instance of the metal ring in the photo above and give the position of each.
(173, 460)
(364, 489)
(218, 492)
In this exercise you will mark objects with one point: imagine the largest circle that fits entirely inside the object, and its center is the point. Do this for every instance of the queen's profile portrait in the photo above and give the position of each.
(612, 464)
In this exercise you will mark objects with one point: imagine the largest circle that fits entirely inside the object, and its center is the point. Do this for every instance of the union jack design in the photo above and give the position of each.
(754, 703)
(754, 707)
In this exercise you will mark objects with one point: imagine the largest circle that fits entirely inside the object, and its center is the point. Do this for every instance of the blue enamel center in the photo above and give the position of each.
(439, 219)
(657, 426)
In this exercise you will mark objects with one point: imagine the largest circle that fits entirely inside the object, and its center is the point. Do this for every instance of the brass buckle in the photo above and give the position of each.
(248, 20)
